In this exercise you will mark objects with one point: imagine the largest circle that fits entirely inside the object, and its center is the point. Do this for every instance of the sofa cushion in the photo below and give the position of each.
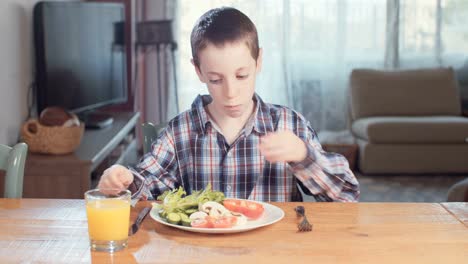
(404, 93)
(401, 130)
(412, 158)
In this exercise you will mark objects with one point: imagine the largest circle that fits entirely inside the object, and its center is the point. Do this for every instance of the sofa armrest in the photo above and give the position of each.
(458, 192)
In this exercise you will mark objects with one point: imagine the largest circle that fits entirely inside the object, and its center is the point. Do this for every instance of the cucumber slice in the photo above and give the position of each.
(185, 220)
(182, 215)
(173, 218)
(190, 211)
(163, 214)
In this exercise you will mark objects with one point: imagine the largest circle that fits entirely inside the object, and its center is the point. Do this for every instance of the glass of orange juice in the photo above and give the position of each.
(108, 214)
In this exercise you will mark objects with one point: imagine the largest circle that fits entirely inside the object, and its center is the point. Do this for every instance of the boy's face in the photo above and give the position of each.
(229, 73)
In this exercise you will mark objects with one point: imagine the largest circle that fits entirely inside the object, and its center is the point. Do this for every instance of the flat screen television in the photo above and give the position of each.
(80, 57)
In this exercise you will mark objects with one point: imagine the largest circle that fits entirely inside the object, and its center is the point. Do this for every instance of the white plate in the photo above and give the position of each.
(271, 215)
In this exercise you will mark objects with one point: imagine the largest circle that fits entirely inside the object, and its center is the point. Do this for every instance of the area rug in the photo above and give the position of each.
(406, 188)
(403, 188)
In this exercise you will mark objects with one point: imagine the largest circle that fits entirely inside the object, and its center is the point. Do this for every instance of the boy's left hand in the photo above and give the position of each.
(283, 146)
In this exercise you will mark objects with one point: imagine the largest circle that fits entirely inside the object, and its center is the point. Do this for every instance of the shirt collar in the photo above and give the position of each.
(198, 113)
(262, 121)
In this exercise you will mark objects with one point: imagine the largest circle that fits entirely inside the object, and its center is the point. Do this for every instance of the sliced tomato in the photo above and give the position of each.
(232, 219)
(231, 205)
(202, 222)
(253, 210)
(250, 209)
(224, 222)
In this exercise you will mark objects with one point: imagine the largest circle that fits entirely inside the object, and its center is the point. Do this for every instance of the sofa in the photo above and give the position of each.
(408, 121)
(458, 192)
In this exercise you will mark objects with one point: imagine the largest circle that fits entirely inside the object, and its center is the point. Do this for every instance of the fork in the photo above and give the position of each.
(304, 225)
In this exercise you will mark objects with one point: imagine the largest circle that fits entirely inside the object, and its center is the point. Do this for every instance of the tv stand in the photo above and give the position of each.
(71, 175)
(96, 120)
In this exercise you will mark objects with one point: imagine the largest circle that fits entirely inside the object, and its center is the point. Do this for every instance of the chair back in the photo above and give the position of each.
(12, 160)
(150, 134)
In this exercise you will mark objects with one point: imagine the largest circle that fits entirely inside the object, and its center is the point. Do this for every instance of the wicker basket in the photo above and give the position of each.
(51, 139)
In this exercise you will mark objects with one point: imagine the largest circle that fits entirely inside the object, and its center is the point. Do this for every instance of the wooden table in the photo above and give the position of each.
(34, 230)
(459, 210)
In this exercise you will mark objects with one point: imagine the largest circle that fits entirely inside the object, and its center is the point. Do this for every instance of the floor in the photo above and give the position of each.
(406, 188)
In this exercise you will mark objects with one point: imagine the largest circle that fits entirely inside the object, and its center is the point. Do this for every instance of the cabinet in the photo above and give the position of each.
(69, 176)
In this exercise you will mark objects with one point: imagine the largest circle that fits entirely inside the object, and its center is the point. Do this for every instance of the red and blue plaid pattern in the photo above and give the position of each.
(191, 153)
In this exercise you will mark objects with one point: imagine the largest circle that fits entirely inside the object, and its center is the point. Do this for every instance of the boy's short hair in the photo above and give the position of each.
(222, 25)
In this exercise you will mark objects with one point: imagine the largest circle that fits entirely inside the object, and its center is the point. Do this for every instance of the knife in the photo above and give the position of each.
(141, 216)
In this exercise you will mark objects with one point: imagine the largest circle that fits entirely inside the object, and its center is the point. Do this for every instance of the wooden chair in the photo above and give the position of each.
(151, 132)
(12, 160)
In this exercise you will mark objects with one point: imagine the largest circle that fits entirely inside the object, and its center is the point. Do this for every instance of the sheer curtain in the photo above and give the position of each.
(435, 33)
(310, 47)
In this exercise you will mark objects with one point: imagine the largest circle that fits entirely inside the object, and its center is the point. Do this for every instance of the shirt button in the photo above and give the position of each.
(228, 187)
(229, 154)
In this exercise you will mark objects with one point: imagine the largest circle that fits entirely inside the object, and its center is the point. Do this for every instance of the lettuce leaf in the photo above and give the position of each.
(176, 201)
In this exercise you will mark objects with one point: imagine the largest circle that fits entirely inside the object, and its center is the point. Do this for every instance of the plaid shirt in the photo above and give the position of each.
(191, 153)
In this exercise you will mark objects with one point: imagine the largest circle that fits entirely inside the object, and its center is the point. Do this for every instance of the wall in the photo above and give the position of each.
(16, 68)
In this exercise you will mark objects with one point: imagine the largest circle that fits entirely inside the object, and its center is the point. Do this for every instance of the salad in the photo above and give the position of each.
(205, 209)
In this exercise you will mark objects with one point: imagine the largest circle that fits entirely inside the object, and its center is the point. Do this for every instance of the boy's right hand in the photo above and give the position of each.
(116, 177)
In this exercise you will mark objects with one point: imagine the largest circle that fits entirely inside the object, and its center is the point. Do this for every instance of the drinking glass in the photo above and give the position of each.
(108, 214)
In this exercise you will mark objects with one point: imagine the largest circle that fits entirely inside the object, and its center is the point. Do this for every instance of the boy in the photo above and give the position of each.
(244, 147)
